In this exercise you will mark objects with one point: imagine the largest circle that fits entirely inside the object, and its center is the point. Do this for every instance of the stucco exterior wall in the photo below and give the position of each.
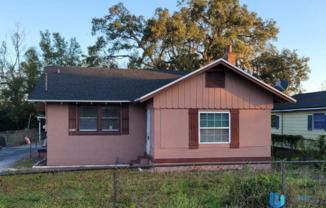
(94, 150)
(171, 118)
(172, 136)
(296, 123)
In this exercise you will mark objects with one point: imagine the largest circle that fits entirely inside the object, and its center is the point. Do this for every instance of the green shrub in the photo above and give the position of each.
(296, 147)
(287, 140)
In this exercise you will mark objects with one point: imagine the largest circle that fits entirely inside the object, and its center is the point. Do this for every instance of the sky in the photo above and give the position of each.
(302, 23)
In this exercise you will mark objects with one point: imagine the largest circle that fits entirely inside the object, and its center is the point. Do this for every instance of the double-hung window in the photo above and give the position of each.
(99, 119)
(214, 127)
(319, 121)
(275, 122)
(87, 118)
(110, 118)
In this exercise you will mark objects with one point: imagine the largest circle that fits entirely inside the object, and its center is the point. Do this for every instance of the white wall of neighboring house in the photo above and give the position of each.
(296, 123)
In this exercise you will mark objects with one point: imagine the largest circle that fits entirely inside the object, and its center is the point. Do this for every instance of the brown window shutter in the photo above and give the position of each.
(125, 119)
(235, 143)
(193, 129)
(72, 119)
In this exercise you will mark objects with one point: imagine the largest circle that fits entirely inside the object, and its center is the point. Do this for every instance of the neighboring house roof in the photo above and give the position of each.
(305, 101)
(81, 84)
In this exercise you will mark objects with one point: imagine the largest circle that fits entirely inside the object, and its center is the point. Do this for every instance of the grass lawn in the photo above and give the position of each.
(196, 188)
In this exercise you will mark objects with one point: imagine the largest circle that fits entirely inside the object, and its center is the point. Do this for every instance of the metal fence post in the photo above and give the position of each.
(283, 178)
(115, 184)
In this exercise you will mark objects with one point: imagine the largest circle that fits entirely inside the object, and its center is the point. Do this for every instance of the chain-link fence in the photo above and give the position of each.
(16, 137)
(246, 184)
(243, 184)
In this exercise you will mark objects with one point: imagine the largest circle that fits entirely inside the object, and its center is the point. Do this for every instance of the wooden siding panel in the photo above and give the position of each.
(217, 100)
(163, 99)
(206, 98)
(181, 89)
(187, 93)
(175, 102)
(211, 95)
(263, 97)
(252, 96)
(156, 101)
(193, 97)
(200, 91)
(229, 99)
(237, 94)
(223, 98)
(240, 94)
(246, 97)
(169, 98)
(234, 93)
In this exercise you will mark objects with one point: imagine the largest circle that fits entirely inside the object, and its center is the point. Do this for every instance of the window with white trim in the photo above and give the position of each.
(99, 119)
(319, 121)
(214, 127)
(88, 118)
(110, 118)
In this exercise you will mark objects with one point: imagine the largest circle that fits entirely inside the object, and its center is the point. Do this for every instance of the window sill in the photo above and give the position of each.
(90, 133)
(215, 145)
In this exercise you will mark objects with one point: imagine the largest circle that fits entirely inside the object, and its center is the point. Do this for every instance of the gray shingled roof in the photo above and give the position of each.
(100, 84)
(306, 100)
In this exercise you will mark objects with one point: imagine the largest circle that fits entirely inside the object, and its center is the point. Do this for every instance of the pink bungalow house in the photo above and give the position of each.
(216, 113)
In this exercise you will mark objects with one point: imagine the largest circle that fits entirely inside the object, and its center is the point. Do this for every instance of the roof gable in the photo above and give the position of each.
(278, 96)
(80, 84)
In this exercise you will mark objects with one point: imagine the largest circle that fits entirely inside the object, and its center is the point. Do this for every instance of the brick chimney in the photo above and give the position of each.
(229, 55)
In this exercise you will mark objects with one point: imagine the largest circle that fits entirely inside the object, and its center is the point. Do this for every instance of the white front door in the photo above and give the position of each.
(148, 129)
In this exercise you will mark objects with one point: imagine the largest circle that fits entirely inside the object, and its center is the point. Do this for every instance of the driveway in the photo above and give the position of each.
(10, 155)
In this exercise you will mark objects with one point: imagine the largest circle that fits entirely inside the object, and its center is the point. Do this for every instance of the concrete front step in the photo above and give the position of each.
(141, 161)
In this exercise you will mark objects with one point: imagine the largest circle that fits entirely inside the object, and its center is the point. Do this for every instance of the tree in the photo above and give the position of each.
(15, 84)
(32, 68)
(97, 56)
(272, 66)
(198, 32)
(57, 51)
(196, 35)
(20, 71)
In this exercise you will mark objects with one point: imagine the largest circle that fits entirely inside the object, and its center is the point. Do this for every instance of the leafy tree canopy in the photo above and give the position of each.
(20, 71)
(58, 51)
(193, 36)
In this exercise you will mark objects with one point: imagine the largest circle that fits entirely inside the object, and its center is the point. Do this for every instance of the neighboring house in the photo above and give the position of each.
(306, 117)
(214, 114)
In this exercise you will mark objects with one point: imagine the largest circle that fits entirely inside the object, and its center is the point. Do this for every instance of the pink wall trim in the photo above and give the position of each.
(93, 150)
